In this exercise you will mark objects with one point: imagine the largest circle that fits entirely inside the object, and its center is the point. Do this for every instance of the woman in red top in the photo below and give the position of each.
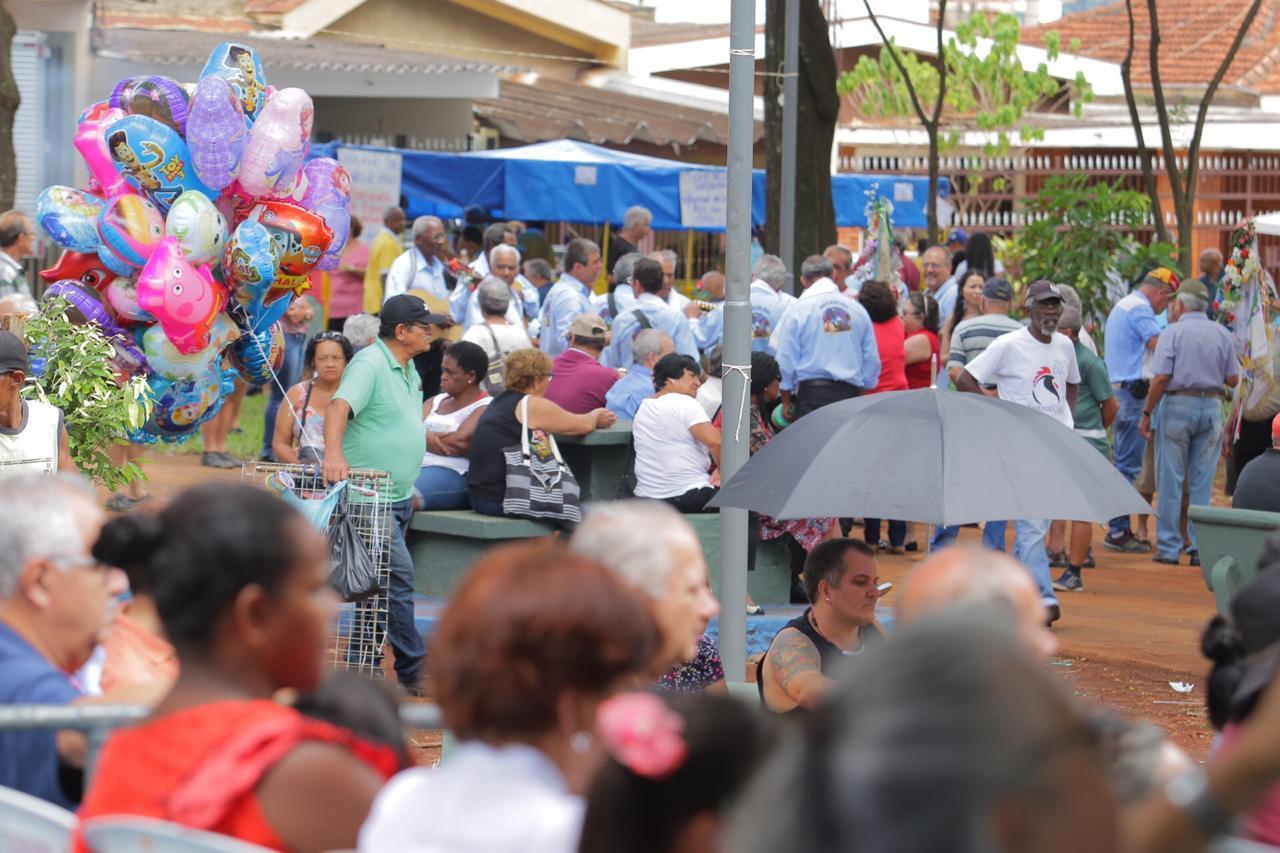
(882, 306)
(920, 319)
(241, 589)
(346, 283)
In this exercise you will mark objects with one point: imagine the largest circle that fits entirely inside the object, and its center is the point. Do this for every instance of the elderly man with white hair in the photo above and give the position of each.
(636, 223)
(56, 603)
(421, 268)
(504, 265)
(768, 301)
(496, 333)
(624, 397)
(651, 546)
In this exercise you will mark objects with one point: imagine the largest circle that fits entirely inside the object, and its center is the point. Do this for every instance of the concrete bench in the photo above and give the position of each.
(444, 544)
(597, 459)
(1230, 541)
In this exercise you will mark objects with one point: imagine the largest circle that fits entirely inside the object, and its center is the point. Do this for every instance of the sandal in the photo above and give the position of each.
(124, 503)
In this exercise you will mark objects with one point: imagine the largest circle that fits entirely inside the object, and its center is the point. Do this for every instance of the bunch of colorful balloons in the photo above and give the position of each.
(200, 223)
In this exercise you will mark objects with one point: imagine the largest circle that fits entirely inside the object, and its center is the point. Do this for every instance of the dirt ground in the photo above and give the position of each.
(1132, 630)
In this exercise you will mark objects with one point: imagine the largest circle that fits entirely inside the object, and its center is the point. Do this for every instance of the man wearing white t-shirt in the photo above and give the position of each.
(1034, 367)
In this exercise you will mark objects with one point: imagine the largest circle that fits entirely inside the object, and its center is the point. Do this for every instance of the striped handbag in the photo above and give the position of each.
(539, 484)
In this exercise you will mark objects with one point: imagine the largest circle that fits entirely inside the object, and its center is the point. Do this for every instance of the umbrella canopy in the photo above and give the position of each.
(935, 456)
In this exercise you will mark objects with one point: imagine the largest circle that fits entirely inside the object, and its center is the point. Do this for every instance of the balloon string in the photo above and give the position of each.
(304, 435)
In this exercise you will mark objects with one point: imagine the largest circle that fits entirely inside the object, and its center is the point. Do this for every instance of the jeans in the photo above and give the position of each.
(871, 532)
(290, 373)
(993, 533)
(1187, 431)
(441, 488)
(1129, 448)
(484, 506)
(402, 634)
(1028, 547)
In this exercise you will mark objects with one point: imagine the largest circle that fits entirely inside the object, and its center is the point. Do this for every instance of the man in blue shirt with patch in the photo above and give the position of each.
(56, 603)
(624, 397)
(768, 302)
(1132, 332)
(825, 343)
(570, 296)
(650, 312)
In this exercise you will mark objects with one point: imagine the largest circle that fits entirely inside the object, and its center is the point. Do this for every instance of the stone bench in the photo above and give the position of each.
(597, 459)
(1229, 541)
(444, 544)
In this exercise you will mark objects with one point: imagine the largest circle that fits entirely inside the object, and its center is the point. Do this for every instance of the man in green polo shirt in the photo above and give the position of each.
(375, 421)
(1096, 408)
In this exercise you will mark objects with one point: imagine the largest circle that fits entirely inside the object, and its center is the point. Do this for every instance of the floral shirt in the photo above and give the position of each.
(696, 675)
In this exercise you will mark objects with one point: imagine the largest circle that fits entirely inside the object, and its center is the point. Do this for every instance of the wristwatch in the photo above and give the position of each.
(1190, 792)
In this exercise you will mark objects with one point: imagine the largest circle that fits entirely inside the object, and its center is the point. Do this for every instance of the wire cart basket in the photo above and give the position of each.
(360, 631)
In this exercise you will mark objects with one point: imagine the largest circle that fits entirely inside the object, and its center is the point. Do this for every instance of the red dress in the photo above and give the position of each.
(201, 767)
(918, 374)
(891, 342)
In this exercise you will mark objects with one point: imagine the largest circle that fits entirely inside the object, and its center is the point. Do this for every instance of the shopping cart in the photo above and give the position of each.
(360, 631)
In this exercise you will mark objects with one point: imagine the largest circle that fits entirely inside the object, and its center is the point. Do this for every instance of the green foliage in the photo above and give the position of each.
(78, 379)
(1079, 235)
(987, 87)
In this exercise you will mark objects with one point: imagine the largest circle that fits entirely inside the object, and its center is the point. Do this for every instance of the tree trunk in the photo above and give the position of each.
(9, 100)
(934, 169)
(817, 110)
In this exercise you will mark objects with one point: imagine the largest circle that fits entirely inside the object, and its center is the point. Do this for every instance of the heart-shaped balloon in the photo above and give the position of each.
(199, 228)
(70, 217)
(184, 299)
(87, 269)
(160, 98)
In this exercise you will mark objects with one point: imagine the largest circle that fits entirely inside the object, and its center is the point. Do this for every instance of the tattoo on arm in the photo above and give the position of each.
(794, 655)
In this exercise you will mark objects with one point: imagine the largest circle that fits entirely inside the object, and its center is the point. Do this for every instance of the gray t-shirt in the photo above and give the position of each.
(975, 334)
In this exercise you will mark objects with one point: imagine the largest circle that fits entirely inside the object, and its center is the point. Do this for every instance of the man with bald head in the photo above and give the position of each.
(1211, 270)
(708, 326)
(841, 263)
(966, 576)
(935, 265)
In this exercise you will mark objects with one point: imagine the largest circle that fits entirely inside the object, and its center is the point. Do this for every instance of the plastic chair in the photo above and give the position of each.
(131, 834)
(30, 824)
(1230, 541)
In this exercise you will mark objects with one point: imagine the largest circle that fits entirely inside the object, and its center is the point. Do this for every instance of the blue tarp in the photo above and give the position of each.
(574, 181)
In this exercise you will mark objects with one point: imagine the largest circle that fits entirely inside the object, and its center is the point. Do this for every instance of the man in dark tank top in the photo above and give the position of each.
(841, 580)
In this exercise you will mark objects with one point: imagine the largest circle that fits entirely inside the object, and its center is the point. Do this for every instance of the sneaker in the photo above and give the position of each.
(1168, 561)
(228, 461)
(1195, 557)
(1069, 582)
(210, 460)
(1057, 559)
(1127, 544)
(1052, 613)
(1088, 561)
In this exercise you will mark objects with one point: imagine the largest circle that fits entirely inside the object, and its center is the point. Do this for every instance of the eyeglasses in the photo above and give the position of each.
(336, 337)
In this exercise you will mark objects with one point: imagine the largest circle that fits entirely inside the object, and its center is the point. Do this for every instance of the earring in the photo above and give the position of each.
(580, 741)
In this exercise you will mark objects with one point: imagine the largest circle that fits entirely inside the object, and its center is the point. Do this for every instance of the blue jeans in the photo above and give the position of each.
(402, 634)
(441, 488)
(1187, 431)
(1028, 547)
(993, 533)
(290, 373)
(1129, 448)
(485, 506)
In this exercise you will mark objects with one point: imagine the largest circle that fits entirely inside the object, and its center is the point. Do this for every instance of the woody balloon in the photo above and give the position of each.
(199, 224)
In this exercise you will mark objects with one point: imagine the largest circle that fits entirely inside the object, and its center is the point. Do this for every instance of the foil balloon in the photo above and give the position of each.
(257, 356)
(278, 145)
(198, 226)
(250, 263)
(216, 132)
(87, 269)
(301, 236)
(328, 193)
(122, 296)
(184, 299)
(91, 142)
(165, 359)
(127, 360)
(239, 65)
(70, 217)
(153, 158)
(160, 98)
(83, 306)
(130, 227)
(180, 406)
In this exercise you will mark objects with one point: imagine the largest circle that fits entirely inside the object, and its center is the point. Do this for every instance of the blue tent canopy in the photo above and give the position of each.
(572, 181)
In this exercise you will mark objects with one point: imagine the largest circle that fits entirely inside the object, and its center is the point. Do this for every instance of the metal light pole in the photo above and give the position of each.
(737, 343)
(790, 96)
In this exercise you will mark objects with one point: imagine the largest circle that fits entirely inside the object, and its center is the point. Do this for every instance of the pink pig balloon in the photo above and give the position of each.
(185, 300)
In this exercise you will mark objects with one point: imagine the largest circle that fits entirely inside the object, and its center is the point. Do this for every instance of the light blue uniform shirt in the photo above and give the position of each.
(567, 298)
(1196, 353)
(826, 335)
(624, 299)
(708, 330)
(662, 317)
(624, 397)
(412, 271)
(946, 297)
(767, 307)
(465, 308)
(1130, 325)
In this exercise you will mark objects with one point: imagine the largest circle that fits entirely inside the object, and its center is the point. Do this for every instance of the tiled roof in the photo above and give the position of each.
(1194, 38)
(180, 47)
(556, 109)
(646, 33)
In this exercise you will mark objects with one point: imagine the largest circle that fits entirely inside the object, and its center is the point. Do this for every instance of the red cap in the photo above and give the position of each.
(1275, 427)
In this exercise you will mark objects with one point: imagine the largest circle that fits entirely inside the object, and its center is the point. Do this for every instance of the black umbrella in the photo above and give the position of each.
(935, 456)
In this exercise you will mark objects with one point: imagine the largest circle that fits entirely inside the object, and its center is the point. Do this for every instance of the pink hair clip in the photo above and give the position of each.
(642, 734)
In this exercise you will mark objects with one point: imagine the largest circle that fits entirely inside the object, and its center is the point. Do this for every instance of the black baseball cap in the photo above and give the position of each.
(404, 310)
(998, 288)
(1042, 290)
(13, 353)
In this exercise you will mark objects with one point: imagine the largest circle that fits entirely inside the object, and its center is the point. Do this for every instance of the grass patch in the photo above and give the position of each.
(244, 443)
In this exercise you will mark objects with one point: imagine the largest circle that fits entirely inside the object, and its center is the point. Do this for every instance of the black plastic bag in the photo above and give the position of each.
(351, 570)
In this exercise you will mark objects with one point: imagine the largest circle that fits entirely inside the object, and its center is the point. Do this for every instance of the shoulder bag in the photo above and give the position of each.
(539, 484)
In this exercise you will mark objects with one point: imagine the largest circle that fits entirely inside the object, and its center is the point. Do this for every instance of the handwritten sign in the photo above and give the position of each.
(375, 184)
(585, 176)
(704, 198)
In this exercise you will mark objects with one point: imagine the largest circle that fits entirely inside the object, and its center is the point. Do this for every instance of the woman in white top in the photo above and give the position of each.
(674, 439)
(495, 335)
(450, 419)
(535, 638)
